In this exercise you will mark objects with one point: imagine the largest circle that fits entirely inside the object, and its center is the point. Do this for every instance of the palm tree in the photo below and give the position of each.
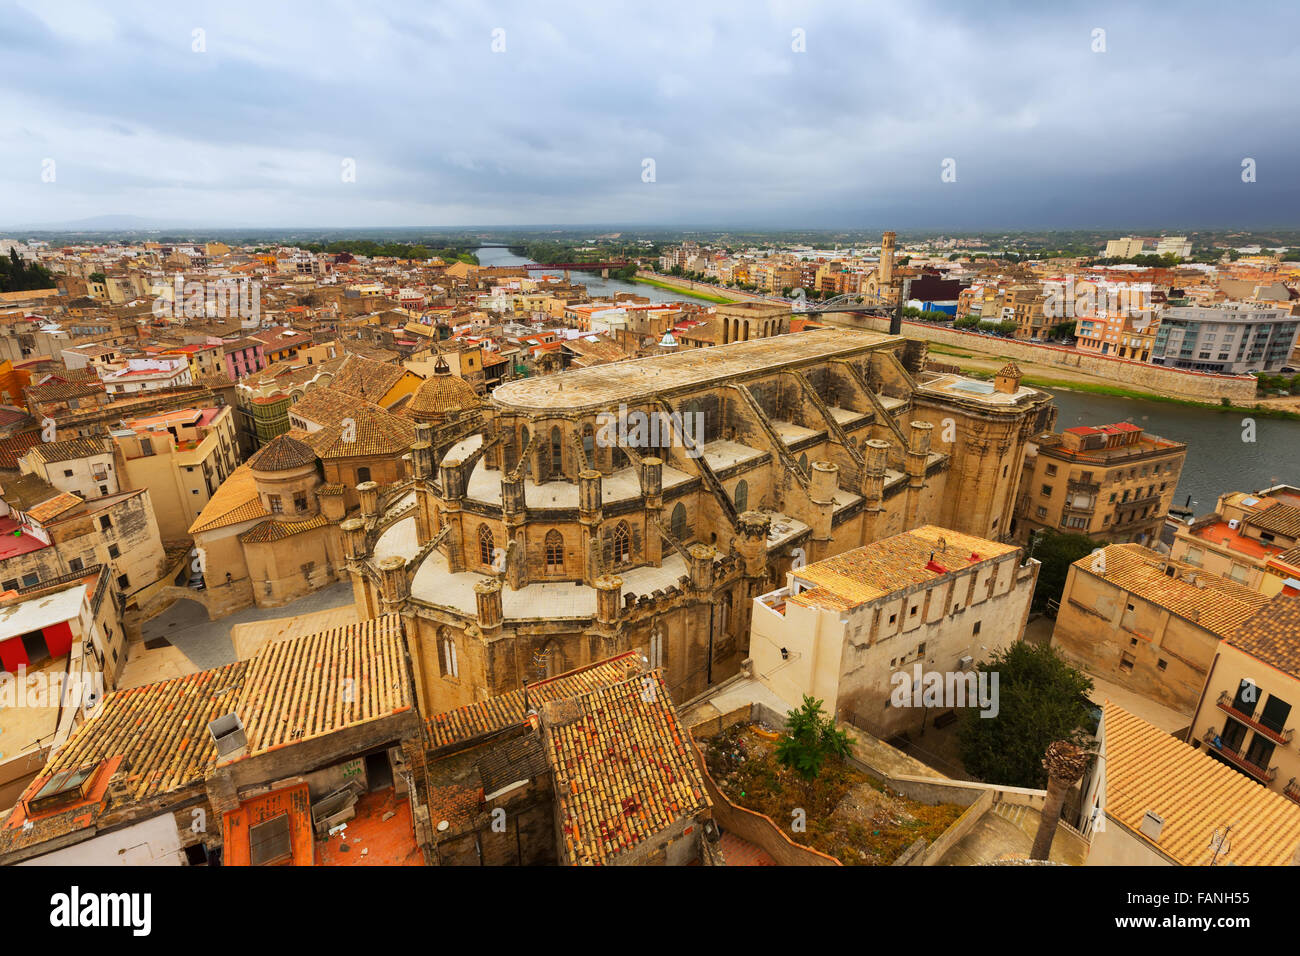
(1065, 765)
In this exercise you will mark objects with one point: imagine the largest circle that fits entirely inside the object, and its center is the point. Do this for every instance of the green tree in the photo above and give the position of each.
(1040, 699)
(1056, 551)
(810, 737)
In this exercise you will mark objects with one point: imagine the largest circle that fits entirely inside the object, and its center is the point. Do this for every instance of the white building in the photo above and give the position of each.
(842, 628)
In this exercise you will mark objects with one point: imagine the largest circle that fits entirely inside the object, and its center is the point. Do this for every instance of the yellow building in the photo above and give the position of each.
(1252, 539)
(1246, 715)
(182, 457)
(1110, 482)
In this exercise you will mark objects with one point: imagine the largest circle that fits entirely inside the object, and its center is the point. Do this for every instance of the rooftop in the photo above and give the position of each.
(630, 380)
(891, 564)
(1148, 770)
(1272, 635)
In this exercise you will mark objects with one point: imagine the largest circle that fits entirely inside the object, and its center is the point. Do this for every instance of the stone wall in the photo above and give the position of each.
(1175, 383)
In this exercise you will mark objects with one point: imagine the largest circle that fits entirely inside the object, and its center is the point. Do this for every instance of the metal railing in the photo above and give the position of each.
(1226, 702)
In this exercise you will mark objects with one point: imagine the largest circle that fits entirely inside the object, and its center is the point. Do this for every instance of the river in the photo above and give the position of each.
(1219, 458)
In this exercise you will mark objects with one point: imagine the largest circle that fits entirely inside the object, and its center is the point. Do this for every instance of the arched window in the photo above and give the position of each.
(554, 552)
(447, 661)
(622, 543)
(557, 451)
(589, 445)
(741, 496)
(803, 463)
(524, 438)
(363, 474)
(486, 547)
(656, 648)
(679, 522)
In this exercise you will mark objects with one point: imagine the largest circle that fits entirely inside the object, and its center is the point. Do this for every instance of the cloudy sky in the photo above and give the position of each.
(252, 121)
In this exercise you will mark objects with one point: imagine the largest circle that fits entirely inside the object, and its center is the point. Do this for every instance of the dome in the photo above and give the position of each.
(440, 395)
(282, 453)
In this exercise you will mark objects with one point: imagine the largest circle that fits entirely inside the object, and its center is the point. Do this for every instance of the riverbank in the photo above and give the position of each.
(1051, 376)
(694, 293)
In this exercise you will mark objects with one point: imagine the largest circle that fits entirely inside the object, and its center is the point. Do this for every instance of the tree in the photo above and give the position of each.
(1040, 699)
(1065, 765)
(1056, 551)
(810, 737)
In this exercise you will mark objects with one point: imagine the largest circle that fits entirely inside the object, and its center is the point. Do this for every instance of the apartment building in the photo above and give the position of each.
(1232, 338)
(79, 466)
(1245, 714)
(1110, 482)
(1123, 248)
(182, 457)
(145, 375)
(1254, 539)
(843, 628)
(1148, 623)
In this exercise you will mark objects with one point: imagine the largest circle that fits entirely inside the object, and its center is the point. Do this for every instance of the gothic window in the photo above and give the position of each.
(679, 522)
(589, 445)
(447, 661)
(554, 552)
(742, 495)
(803, 463)
(657, 648)
(557, 452)
(622, 543)
(486, 548)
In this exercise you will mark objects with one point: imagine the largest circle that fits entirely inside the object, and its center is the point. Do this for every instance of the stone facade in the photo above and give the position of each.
(642, 505)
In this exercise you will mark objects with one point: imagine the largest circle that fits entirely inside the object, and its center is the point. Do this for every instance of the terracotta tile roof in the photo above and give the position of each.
(70, 449)
(441, 393)
(1011, 370)
(372, 431)
(329, 406)
(624, 768)
(1277, 518)
(508, 710)
(901, 561)
(282, 453)
(272, 530)
(1216, 604)
(15, 447)
(235, 501)
(161, 729)
(366, 378)
(1147, 769)
(1272, 635)
(52, 508)
(307, 687)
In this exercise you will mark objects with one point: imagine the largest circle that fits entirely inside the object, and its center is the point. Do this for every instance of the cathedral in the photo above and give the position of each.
(641, 506)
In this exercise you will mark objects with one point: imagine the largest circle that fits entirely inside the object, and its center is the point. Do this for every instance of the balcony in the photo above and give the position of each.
(1239, 760)
(1282, 737)
(1292, 790)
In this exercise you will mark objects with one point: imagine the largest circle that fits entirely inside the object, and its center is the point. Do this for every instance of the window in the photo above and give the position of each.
(75, 564)
(554, 552)
(300, 501)
(1127, 661)
(803, 463)
(1046, 491)
(268, 842)
(67, 473)
(363, 475)
(742, 495)
(105, 523)
(657, 648)
(557, 451)
(123, 582)
(277, 506)
(31, 580)
(486, 546)
(976, 629)
(1042, 512)
(447, 661)
(679, 529)
(1051, 471)
(1162, 663)
(114, 551)
(10, 585)
(622, 543)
